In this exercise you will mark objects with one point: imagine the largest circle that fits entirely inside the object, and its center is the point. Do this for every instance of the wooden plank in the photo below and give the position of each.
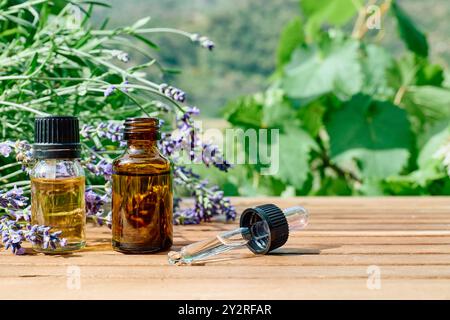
(407, 238)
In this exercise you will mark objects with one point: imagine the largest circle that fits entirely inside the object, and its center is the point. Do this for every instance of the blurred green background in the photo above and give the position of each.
(246, 33)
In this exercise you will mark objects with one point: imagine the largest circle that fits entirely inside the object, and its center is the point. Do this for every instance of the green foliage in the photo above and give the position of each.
(291, 37)
(353, 117)
(414, 38)
(332, 67)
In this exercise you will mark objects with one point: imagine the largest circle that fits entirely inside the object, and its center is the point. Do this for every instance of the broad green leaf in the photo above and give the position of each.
(277, 112)
(311, 117)
(291, 37)
(313, 72)
(365, 123)
(295, 147)
(427, 156)
(427, 102)
(244, 112)
(319, 12)
(372, 136)
(334, 186)
(375, 66)
(374, 164)
(430, 74)
(262, 110)
(414, 39)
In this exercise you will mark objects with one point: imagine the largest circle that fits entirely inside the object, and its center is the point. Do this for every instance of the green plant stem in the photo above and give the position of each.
(10, 165)
(142, 31)
(22, 107)
(17, 183)
(11, 175)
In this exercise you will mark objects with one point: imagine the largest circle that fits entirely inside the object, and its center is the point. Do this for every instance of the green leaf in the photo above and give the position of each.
(33, 64)
(373, 165)
(414, 39)
(295, 147)
(262, 110)
(427, 156)
(365, 123)
(313, 72)
(140, 23)
(291, 37)
(430, 168)
(374, 135)
(244, 112)
(334, 187)
(428, 103)
(319, 12)
(276, 111)
(311, 117)
(148, 42)
(375, 66)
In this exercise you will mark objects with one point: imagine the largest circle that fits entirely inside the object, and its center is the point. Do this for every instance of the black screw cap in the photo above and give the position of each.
(275, 219)
(57, 137)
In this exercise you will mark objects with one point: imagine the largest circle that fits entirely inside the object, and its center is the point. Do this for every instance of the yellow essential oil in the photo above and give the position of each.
(59, 203)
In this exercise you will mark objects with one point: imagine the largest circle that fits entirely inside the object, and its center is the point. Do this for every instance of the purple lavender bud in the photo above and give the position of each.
(5, 149)
(109, 90)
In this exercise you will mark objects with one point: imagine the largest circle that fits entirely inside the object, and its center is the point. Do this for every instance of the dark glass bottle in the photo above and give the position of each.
(142, 197)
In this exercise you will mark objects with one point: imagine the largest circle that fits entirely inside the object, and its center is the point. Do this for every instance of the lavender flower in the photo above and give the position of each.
(204, 42)
(13, 199)
(5, 149)
(109, 90)
(212, 156)
(186, 216)
(172, 92)
(102, 168)
(208, 201)
(24, 154)
(123, 87)
(110, 130)
(121, 55)
(95, 208)
(13, 234)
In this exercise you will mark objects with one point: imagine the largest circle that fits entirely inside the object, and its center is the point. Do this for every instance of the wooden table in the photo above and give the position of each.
(353, 248)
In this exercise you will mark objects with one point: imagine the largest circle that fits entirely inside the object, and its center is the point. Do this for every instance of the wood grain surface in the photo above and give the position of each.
(405, 239)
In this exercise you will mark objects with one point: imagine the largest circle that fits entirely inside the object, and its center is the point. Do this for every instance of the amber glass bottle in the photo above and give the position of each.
(142, 192)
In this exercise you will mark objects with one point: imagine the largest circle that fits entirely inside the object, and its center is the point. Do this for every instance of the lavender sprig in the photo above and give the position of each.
(22, 150)
(110, 130)
(209, 201)
(95, 208)
(13, 199)
(13, 234)
(5, 149)
(172, 92)
(100, 168)
(204, 42)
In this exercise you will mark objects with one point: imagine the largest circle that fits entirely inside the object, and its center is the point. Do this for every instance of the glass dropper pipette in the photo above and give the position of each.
(262, 229)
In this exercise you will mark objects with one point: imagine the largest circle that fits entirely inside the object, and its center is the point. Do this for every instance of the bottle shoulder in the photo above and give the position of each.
(57, 169)
(141, 164)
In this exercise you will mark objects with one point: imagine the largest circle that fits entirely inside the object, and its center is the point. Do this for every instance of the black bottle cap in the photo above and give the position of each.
(278, 225)
(57, 137)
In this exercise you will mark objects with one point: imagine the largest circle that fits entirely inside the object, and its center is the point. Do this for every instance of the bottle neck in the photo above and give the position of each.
(136, 147)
